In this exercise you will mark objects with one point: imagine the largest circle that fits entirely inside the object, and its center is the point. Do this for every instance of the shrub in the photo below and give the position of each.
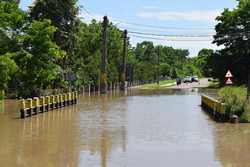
(234, 99)
(1, 95)
(245, 117)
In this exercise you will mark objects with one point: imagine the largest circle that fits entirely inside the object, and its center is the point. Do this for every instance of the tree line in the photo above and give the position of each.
(50, 47)
(233, 34)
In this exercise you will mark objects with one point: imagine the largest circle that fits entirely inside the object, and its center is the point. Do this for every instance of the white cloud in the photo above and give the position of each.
(194, 15)
(193, 46)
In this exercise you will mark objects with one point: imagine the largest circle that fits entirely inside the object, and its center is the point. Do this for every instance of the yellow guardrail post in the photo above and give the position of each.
(36, 103)
(52, 102)
(48, 103)
(65, 101)
(23, 108)
(57, 101)
(69, 98)
(72, 97)
(42, 103)
(29, 105)
(76, 97)
(60, 100)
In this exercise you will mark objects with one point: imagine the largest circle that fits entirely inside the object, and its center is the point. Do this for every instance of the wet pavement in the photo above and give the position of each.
(138, 129)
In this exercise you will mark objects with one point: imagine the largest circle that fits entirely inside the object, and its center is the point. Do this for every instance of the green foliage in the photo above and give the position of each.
(202, 62)
(234, 99)
(1, 96)
(63, 15)
(52, 48)
(38, 57)
(245, 117)
(12, 21)
(233, 34)
(7, 68)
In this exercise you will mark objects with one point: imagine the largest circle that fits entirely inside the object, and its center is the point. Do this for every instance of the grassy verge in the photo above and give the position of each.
(1, 106)
(213, 83)
(1, 95)
(162, 85)
(236, 103)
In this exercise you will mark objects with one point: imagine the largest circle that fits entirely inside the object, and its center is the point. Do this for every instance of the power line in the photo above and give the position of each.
(166, 39)
(162, 27)
(170, 35)
(223, 36)
(148, 25)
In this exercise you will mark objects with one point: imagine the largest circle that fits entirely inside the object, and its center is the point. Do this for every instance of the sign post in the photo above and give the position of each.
(229, 77)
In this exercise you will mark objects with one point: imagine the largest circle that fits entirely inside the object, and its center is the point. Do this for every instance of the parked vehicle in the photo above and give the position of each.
(178, 81)
(187, 79)
(195, 79)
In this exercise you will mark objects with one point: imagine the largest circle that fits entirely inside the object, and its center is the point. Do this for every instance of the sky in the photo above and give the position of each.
(174, 20)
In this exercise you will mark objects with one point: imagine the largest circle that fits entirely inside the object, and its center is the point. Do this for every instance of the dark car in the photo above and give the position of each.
(178, 81)
(195, 79)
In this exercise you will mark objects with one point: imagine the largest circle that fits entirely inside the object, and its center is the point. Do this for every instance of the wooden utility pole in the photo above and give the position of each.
(103, 77)
(125, 52)
(158, 66)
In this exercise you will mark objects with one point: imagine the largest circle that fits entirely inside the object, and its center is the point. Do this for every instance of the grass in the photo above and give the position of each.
(234, 98)
(1, 95)
(1, 106)
(213, 83)
(163, 85)
(245, 117)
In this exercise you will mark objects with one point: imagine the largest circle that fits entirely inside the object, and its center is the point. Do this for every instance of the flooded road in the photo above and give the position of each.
(140, 129)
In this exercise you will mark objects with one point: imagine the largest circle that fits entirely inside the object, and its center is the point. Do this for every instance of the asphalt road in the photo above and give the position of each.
(204, 83)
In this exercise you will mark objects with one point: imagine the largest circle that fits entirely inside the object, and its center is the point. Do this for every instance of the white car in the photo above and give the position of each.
(187, 79)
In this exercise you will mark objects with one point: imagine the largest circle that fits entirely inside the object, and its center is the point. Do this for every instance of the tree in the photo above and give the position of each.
(37, 59)
(63, 15)
(7, 68)
(87, 55)
(12, 21)
(232, 32)
(202, 61)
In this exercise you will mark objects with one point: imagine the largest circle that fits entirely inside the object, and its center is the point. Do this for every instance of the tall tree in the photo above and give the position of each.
(233, 32)
(37, 59)
(11, 24)
(63, 15)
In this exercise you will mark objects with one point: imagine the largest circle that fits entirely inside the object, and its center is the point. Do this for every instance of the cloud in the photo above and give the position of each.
(194, 15)
(193, 46)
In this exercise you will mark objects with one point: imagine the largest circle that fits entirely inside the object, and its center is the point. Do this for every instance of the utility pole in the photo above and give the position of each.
(125, 52)
(158, 66)
(103, 77)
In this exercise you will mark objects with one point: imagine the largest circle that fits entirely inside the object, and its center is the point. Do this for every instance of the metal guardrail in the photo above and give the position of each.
(30, 107)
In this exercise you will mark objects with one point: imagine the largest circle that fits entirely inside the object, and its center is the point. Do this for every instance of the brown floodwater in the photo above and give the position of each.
(136, 129)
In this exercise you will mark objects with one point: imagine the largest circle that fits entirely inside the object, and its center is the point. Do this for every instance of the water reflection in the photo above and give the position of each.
(104, 131)
(132, 129)
(1, 106)
(232, 143)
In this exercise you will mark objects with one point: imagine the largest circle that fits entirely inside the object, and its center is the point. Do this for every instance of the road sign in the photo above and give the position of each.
(229, 74)
(229, 81)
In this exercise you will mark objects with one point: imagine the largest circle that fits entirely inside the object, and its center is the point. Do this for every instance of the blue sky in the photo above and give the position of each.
(170, 17)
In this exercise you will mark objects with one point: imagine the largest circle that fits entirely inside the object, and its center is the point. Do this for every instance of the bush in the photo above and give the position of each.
(1, 95)
(245, 117)
(234, 99)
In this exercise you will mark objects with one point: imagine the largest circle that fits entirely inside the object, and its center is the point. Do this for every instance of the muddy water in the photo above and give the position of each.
(140, 129)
